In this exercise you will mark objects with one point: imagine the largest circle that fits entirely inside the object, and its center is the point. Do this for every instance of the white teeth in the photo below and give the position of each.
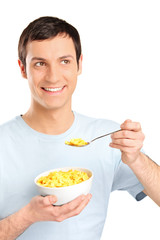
(53, 89)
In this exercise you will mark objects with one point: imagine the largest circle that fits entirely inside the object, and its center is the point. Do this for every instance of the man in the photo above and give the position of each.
(50, 59)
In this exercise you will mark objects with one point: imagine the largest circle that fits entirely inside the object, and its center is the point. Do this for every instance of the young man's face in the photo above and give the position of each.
(52, 70)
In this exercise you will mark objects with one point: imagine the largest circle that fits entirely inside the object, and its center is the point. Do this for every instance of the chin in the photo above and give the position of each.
(53, 107)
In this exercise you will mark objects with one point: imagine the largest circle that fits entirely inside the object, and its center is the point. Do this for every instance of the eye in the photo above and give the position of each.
(65, 61)
(40, 64)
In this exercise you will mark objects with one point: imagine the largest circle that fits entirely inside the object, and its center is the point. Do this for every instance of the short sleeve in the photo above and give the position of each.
(125, 179)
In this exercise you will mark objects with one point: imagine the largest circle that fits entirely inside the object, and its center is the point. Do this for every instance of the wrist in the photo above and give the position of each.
(26, 215)
(138, 162)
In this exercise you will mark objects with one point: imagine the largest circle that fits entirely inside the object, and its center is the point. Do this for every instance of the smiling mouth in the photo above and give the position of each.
(53, 89)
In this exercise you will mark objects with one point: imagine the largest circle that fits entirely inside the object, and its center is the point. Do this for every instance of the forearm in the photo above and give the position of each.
(148, 173)
(40, 209)
(14, 225)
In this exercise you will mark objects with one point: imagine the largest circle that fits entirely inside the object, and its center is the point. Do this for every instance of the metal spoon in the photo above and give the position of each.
(87, 143)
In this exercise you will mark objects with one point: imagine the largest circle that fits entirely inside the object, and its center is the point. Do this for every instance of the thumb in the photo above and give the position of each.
(126, 121)
(49, 200)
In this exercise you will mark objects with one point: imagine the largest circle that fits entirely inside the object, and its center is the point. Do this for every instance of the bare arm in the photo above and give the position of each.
(130, 141)
(40, 209)
(148, 173)
(12, 226)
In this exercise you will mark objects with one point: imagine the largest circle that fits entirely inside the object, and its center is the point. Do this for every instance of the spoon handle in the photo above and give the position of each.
(105, 135)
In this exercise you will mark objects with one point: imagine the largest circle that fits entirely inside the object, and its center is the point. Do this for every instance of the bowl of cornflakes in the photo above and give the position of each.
(65, 183)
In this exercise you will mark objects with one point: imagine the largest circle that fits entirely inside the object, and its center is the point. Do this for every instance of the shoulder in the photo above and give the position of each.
(8, 127)
(98, 124)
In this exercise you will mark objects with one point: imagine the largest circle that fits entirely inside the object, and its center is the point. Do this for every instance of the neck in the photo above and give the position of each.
(47, 121)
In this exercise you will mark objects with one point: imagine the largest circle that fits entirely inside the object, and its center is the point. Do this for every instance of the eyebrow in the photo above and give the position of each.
(43, 59)
(37, 58)
(66, 56)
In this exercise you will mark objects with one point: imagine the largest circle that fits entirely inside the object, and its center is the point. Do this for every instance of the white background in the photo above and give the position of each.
(120, 80)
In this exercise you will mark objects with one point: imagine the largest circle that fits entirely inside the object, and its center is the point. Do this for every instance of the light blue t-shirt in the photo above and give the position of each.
(25, 153)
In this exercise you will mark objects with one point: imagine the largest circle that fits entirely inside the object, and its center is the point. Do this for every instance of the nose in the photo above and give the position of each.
(53, 73)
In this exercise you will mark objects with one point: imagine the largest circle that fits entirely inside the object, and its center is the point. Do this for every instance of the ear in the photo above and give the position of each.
(22, 68)
(80, 65)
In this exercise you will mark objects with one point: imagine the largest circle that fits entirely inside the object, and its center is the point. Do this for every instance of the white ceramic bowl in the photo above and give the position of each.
(66, 194)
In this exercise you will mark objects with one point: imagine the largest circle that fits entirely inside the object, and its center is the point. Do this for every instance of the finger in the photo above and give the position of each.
(127, 142)
(48, 200)
(128, 135)
(122, 148)
(78, 209)
(127, 148)
(60, 213)
(132, 126)
(83, 204)
(70, 206)
(128, 121)
(74, 204)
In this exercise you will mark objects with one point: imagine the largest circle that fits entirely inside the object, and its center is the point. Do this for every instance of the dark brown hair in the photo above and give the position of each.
(45, 28)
